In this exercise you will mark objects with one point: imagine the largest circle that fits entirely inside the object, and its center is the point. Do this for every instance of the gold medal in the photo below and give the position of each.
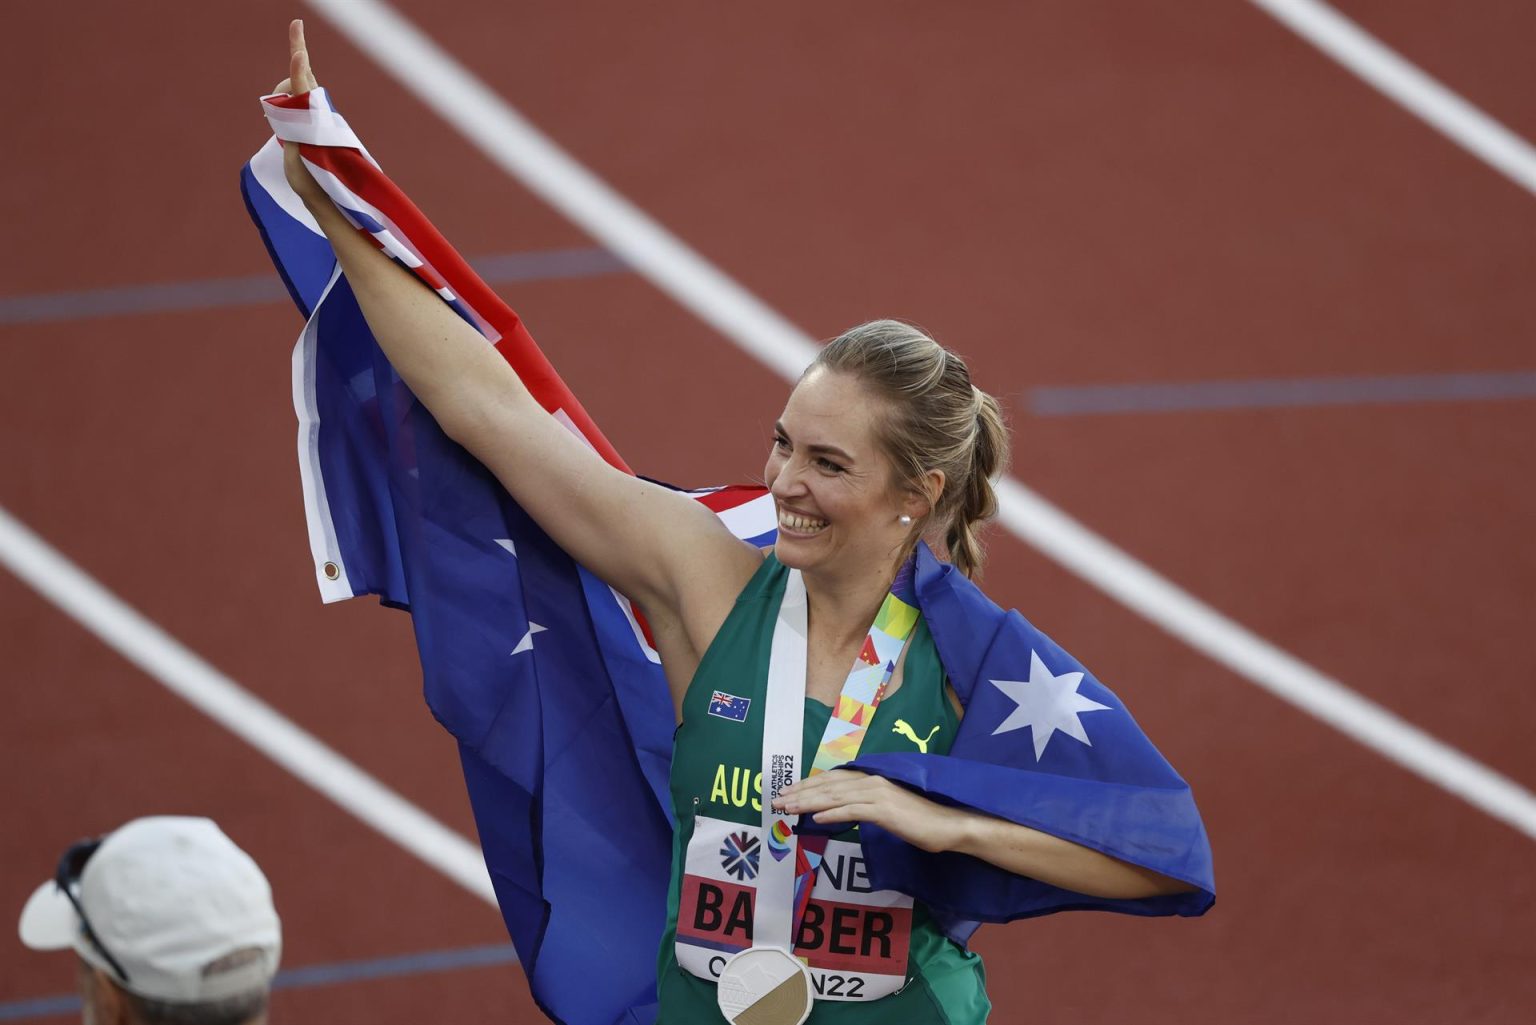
(764, 986)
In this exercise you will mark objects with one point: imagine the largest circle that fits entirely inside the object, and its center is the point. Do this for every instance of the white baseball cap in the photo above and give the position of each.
(167, 898)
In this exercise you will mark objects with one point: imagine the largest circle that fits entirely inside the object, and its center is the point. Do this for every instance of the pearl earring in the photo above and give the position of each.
(904, 520)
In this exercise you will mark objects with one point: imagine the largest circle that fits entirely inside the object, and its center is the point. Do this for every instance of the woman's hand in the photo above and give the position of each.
(844, 795)
(300, 80)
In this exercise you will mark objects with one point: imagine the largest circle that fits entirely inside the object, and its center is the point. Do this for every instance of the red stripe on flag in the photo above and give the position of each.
(731, 496)
(299, 102)
(516, 345)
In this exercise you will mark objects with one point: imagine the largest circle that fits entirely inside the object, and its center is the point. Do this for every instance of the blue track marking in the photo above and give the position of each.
(309, 976)
(423, 963)
(257, 289)
(1279, 393)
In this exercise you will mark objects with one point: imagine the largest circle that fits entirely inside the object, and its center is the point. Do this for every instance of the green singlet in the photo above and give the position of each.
(858, 942)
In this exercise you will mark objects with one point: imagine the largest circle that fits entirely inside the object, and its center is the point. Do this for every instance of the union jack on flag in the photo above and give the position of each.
(729, 706)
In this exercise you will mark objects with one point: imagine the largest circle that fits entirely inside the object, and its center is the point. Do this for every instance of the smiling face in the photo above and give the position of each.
(833, 484)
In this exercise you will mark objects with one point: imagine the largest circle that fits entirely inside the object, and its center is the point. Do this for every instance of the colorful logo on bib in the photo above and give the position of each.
(729, 706)
(738, 855)
(778, 839)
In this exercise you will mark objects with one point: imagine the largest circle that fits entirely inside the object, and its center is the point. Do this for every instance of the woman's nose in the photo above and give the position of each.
(787, 481)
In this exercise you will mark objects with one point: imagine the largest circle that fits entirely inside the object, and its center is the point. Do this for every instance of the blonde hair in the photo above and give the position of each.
(937, 420)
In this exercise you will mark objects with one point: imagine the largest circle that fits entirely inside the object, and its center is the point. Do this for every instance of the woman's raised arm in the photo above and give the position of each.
(648, 542)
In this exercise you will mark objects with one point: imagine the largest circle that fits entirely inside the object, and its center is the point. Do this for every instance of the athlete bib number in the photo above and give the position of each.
(854, 938)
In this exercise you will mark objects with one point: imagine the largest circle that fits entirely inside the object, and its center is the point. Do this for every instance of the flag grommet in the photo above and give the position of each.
(331, 571)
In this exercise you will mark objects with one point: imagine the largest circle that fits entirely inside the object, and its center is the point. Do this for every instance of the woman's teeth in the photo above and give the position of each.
(800, 524)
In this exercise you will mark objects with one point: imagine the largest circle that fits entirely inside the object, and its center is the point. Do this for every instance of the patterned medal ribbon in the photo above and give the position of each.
(862, 693)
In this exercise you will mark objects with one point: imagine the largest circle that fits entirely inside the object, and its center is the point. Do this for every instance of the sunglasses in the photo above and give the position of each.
(67, 878)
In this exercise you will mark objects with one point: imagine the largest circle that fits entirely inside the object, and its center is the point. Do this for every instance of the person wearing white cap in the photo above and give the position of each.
(173, 924)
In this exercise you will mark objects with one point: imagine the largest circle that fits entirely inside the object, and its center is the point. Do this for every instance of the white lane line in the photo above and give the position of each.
(512, 141)
(1408, 85)
(1156, 598)
(538, 163)
(188, 676)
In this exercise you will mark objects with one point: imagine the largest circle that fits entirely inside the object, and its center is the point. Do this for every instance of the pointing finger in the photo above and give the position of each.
(303, 78)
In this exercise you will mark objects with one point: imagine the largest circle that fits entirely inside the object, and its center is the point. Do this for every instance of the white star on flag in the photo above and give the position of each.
(526, 644)
(1046, 704)
(506, 542)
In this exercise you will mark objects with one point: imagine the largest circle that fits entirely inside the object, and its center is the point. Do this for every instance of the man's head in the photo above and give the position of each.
(172, 922)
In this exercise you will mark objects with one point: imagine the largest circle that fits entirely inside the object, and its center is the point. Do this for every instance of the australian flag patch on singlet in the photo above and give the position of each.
(729, 706)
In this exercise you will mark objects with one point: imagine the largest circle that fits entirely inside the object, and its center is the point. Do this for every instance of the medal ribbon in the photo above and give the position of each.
(784, 884)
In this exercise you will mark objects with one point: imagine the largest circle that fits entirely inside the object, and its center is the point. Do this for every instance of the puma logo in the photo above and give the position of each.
(906, 731)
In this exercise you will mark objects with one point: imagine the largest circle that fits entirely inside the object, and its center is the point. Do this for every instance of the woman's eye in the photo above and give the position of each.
(829, 465)
(781, 442)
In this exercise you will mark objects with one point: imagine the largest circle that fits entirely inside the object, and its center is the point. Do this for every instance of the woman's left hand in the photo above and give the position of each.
(844, 795)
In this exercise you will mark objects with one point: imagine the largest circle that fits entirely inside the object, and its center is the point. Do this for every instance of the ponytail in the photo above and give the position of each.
(976, 497)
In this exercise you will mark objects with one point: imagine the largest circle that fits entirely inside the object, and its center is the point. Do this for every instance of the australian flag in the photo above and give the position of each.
(542, 672)
(545, 675)
(1044, 744)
